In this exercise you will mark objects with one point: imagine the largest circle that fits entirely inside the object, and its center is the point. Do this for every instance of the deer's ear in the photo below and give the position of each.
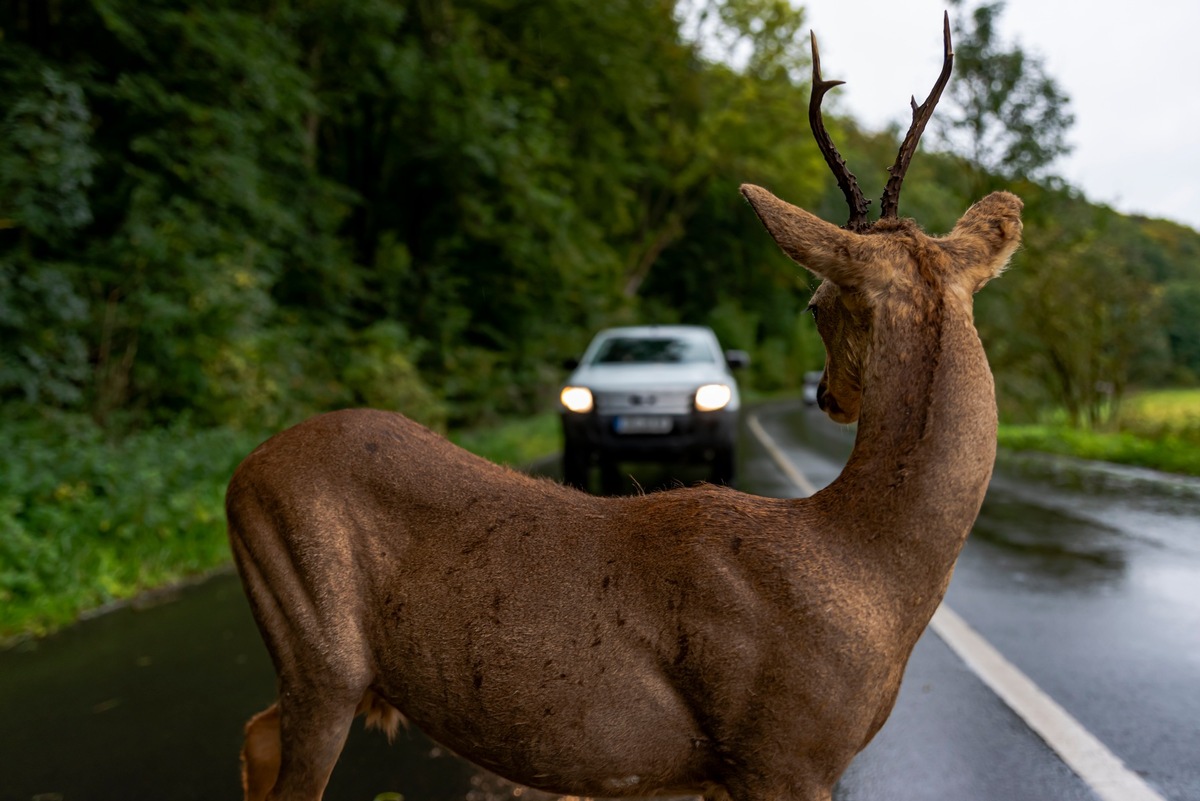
(830, 252)
(985, 238)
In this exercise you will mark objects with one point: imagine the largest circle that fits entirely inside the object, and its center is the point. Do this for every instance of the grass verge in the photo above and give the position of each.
(86, 520)
(513, 442)
(1170, 454)
(1158, 429)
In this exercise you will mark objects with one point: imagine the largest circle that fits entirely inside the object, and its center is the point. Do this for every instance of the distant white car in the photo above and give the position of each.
(651, 393)
(812, 380)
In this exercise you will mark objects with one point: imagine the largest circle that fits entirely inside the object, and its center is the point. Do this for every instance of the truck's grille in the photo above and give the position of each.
(644, 402)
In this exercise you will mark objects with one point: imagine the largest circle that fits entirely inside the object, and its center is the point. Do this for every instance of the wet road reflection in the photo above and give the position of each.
(1047, 547)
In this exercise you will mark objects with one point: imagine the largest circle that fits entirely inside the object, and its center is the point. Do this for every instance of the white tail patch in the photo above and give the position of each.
(380, 715)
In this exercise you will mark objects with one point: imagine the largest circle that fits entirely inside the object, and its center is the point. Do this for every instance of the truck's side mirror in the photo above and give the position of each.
(737, 359)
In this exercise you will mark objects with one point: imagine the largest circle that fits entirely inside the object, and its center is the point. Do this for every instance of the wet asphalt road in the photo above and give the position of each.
(1088, 581)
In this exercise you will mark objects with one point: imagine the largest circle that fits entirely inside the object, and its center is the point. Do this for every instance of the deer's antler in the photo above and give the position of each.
(845, 179)
(921, 114)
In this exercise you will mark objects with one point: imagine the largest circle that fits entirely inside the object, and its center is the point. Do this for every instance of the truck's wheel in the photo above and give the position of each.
(610, 476)
(576, 466)
(723, 466)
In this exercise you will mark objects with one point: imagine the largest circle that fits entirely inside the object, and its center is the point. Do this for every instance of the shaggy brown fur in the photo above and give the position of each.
(693, 641)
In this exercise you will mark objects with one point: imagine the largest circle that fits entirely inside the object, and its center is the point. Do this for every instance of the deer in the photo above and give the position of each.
(695, 640)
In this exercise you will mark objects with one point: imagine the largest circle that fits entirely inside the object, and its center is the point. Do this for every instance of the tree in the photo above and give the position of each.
(752, 127)
(1007, 116)
(43, 313)
(1182, 300)
(1076, 319)
(252, 210)
(762, 39)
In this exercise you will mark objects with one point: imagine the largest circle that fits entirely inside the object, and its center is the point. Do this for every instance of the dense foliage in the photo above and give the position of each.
(249, 211)
(252, 211)
(84, 519)
(219, 218)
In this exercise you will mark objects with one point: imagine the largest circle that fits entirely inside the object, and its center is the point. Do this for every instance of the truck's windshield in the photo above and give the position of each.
(656, 350)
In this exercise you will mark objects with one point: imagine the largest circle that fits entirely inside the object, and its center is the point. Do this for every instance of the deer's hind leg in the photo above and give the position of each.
(291, 747)
(262, 751)
(309, 624)
(292, 756)
(312, 729)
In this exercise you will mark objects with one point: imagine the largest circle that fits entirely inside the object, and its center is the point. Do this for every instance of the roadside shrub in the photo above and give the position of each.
(282, 376)
(85, 520)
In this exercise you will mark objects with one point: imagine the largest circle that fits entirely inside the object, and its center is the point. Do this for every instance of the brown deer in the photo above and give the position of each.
(692, 641)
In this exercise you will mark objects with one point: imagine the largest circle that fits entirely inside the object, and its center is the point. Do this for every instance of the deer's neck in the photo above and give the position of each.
(926, 444)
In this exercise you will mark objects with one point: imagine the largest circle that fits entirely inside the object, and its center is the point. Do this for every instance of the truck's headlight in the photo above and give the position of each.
(577, 399)
(711, 397)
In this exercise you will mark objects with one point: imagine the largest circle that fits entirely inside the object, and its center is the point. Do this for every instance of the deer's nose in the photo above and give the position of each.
(826, 402)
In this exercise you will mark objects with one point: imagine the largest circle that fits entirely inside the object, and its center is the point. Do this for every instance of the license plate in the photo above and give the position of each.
(633, 424)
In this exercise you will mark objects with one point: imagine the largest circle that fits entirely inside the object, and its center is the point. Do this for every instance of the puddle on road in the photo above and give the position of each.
(1048, 547)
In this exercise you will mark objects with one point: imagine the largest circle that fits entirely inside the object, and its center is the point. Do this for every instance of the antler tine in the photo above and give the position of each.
(890, 203)
(845, 179)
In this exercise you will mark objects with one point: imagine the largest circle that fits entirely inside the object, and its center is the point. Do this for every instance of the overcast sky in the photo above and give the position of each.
(1131, 70)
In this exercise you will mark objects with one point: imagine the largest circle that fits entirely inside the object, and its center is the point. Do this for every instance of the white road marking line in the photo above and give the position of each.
(1100, 769)
(782, 462)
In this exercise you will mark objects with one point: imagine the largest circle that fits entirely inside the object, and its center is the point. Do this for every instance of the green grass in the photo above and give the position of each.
(1168, 453)
(86, 520)
(1158, 429)
(1163, 412)
(514, 442)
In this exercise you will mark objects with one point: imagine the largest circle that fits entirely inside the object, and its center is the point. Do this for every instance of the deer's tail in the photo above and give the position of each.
(380, 714)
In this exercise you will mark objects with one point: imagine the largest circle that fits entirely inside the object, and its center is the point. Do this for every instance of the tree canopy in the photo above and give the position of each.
(246, 212)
